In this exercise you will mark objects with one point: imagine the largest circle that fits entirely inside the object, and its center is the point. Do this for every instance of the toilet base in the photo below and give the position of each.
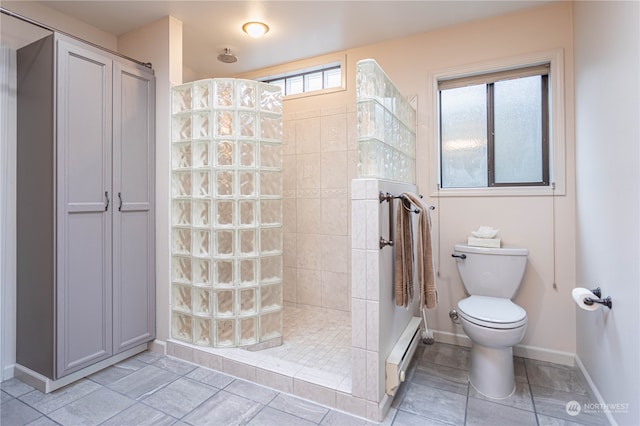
(492, 371)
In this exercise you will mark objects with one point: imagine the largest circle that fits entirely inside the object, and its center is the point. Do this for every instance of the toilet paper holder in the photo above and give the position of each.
(598, 293)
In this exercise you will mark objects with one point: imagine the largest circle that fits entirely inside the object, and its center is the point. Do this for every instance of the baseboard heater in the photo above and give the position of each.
(401, 354)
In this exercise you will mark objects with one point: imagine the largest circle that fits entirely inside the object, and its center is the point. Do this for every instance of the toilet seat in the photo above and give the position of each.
(492, 312)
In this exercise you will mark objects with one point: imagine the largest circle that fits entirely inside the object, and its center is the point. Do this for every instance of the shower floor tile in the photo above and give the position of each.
(316, 339)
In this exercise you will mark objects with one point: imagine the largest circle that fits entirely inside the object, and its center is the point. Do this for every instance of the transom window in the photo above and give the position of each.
(308, 80)
(494, 129)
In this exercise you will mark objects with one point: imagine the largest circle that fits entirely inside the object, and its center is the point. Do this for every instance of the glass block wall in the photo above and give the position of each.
(386, 127)
(226, 218)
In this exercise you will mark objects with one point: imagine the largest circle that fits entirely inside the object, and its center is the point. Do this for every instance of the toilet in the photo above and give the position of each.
(491, 277)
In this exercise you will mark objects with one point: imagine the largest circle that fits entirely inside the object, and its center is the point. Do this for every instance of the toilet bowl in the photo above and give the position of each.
(494, 326)
(493, 323)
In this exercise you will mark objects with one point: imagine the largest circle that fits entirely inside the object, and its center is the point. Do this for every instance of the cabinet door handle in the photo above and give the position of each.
(106, 195)
(120, 198)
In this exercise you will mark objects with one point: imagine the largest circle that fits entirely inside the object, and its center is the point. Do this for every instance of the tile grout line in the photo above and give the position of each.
(466, 406)
(533, 401)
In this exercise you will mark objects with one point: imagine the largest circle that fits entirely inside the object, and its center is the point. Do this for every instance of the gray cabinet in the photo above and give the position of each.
(133, 223)
(86, 248)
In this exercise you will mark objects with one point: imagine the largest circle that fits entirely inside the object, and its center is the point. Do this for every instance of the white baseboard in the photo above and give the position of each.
(452, 338)
(543, 354)
(532, 352)
(158, 346)
(595, 391)
(8, 372)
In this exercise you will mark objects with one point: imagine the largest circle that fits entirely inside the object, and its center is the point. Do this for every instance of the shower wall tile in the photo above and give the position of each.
(373, 275)
(335, 216)
(373, 189)
(333, 110)
(366, 290)
(375, 411)
(309, 288)
(289, 215)
(359, 224)
(311, 113)
(239, 369)
(289, 172)
(314, 392)
(290, 250)
(320, 194)
(309, 214)
(358, 323)
(309, 171)
(333, 169)
(288, 135)
(358, 373)
(274, 380)
(349, 207)
(347, 403)
(334, 132)
(359, 273)
(335, 253)
(352, 165)
(308, 135)
(289, 284)
(373, 376)
(207, 359)
(358, 189)
(372, 224)
(180, 351)
(373, 325)
(352, 131)
(335, 290)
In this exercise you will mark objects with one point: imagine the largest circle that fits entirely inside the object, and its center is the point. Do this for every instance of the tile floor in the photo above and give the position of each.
(156, 390)
(316, 338)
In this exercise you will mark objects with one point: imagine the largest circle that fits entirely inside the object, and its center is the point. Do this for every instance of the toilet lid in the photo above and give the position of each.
(494, 312)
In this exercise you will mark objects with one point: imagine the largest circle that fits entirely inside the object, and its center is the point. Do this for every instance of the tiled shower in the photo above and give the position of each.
(336, 333)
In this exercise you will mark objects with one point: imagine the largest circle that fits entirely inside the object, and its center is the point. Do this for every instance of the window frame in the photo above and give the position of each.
(308, 66)
(488, 81)
(555, 131)
(544, 142)
(304, 74)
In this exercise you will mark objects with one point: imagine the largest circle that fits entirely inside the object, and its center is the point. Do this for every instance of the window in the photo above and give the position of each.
(494, 129)
(308, 80)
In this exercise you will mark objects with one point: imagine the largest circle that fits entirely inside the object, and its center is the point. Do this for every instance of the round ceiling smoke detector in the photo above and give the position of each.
(227, 57)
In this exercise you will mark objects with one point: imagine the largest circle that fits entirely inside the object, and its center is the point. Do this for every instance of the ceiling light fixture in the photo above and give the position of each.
(255, 29)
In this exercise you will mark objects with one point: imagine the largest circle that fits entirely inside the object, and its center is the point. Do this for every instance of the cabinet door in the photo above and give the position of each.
(85, 201)
(134, 225)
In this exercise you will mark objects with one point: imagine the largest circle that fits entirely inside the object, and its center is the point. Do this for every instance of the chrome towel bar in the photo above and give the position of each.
(388, 197)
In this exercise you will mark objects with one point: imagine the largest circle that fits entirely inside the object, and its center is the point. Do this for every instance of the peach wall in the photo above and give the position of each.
(607, 50)
(62, 22)
(544, 225)
(160, 43)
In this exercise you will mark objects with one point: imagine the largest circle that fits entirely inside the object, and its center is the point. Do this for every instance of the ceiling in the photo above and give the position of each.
(299, 29)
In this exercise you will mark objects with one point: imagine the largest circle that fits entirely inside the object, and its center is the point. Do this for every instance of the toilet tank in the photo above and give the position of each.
(495, 272)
